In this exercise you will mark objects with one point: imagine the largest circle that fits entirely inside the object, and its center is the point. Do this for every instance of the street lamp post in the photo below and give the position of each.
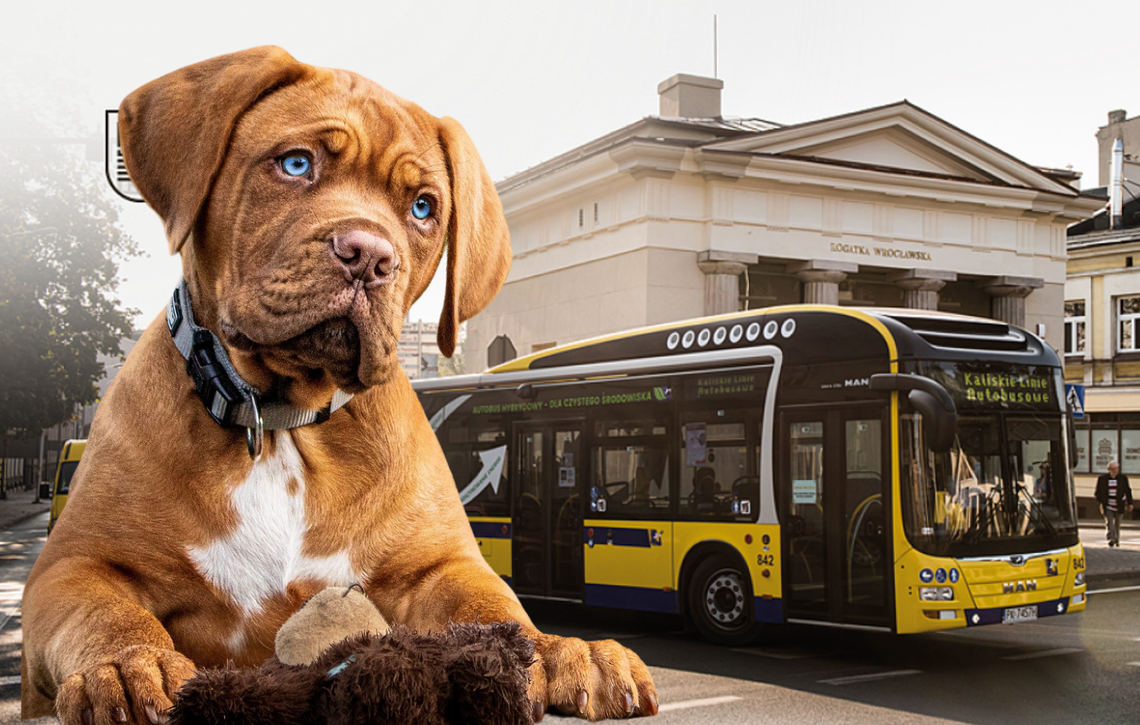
(40, 466)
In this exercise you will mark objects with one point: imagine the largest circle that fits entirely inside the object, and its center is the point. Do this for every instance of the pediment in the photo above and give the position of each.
(895, 148)
(899, 137)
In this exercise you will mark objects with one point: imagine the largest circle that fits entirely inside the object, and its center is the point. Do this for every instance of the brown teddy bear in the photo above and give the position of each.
(338, 663)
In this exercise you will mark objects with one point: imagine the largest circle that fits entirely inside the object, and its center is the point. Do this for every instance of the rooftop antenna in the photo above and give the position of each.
(714, 48)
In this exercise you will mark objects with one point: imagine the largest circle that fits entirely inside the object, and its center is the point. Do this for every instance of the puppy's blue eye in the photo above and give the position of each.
(296, 164)
(421, 208)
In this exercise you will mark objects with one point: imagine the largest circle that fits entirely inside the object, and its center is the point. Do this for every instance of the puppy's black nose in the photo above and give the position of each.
(364, 256)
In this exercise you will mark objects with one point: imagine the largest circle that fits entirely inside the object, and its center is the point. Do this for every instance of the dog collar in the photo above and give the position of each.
(229, 399)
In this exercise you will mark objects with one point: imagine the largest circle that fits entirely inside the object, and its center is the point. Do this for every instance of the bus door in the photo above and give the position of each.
(547, 546)
(629, 520)
(835, 490)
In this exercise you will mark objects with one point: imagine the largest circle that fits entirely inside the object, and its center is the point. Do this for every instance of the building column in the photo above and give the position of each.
(1009, 293)
(921, 286)
(821, 279)
(722, 286)
(722, 279)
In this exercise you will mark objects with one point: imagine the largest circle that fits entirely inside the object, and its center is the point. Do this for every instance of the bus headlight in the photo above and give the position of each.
(1079, 579)
(936, 594)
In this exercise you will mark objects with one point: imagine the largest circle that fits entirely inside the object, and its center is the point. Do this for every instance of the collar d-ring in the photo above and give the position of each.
(255, 434)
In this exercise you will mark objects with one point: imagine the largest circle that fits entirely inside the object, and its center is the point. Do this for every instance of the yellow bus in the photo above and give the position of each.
(882, 469)
(69, 457)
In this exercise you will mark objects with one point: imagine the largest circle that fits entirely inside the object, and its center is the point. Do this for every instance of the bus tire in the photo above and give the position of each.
(720, 602)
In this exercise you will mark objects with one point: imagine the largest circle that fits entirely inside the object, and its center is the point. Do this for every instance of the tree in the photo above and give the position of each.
(60, 247)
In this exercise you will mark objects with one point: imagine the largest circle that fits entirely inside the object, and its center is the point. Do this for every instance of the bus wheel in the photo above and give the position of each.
(720, 602)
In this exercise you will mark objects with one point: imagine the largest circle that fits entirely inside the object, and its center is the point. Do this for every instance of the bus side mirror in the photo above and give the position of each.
(45, 490)
(939, 425)
(930, 399)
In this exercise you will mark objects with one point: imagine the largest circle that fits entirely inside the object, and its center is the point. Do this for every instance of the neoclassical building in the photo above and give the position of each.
(1102, 310)
(690, 213)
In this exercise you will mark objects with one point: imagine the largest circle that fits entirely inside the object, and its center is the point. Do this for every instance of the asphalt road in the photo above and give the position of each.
(19, 547)
(1075, 669)
(1072, 669)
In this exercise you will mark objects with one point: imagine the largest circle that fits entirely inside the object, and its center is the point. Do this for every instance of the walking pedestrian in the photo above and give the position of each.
(1115, 497)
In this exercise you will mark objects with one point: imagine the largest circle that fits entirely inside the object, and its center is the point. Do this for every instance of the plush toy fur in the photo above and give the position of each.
(469, 673)
(328, 617)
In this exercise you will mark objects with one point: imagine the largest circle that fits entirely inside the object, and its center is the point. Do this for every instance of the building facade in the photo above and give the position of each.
(1102, 306)
(417, 350)
(689, 213)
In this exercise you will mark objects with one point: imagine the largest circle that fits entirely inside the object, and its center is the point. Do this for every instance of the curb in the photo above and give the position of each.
(22, 518)
(1111, 581)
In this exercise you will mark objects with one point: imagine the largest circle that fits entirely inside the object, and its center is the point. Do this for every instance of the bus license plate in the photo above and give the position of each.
(1013, 615)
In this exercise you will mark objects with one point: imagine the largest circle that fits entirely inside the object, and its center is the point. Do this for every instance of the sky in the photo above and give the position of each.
(530, 80)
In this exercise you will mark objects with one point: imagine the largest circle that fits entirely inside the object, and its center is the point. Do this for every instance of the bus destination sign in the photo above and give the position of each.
(1035, 390)
(1026, 387)
(726, 385)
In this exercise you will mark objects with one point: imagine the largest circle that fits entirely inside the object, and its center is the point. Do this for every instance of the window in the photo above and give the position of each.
(632, 480)
(1106, 437)
(631, 470)
(1081, 452)
(1074, 327)
(1004, 479)
(66, 471)
(715, 481)
(477, 459)
(1127, 312)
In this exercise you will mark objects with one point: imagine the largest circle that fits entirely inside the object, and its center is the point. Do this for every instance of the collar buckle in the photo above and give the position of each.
(230, 401)
(217, 392)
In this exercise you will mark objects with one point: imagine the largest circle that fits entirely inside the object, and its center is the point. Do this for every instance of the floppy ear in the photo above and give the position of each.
(175, 131)
(478, 241)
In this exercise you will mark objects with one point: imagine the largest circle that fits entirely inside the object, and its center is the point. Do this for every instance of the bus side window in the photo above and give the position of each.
(715, 483)
(477, 457)
(630, 481)
(630, 470)
(457, 462)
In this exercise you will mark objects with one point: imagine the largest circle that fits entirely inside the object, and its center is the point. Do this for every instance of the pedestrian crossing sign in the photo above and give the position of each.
(1075, 396)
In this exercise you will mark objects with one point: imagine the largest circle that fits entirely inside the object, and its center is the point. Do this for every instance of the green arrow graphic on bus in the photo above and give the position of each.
(489, 475)
(447, 410)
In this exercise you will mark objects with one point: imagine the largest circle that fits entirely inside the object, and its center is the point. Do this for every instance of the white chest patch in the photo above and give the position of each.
(264, 553)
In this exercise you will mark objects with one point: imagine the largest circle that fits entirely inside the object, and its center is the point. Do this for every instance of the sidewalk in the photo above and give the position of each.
(19, 507)
(1105, 567)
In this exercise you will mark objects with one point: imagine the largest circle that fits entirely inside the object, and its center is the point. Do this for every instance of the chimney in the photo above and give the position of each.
(687, 96)
(1116, 188)
(1117, 116)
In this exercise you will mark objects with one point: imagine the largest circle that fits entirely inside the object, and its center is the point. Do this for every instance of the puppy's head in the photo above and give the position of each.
(312, 208)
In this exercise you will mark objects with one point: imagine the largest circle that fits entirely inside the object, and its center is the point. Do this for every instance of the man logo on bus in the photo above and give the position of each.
(1021, 586)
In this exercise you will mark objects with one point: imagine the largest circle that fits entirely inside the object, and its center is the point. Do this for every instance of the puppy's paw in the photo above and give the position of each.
(136, 686)
(594, 680)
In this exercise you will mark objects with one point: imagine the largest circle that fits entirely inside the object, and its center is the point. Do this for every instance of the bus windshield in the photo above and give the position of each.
(1003, 487)
(66, 471)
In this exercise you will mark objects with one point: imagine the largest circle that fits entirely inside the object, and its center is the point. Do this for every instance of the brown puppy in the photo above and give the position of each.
(311, 208)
